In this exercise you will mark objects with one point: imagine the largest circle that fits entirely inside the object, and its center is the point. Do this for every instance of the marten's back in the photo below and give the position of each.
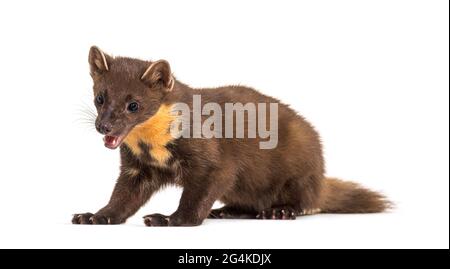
(260, 172)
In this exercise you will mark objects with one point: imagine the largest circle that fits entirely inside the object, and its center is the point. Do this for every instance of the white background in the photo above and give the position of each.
(372, 76)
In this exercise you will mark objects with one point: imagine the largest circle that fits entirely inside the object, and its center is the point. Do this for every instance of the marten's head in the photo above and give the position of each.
(127, 92)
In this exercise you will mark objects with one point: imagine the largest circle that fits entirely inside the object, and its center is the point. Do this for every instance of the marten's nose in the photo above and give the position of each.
(104, 128)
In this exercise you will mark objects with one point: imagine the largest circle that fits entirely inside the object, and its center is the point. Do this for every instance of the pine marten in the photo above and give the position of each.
(136, 103)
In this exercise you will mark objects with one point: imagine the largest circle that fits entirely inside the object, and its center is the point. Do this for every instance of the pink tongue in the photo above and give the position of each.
(110, 140)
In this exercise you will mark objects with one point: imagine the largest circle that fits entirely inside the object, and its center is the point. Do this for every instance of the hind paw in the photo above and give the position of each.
(278, 213)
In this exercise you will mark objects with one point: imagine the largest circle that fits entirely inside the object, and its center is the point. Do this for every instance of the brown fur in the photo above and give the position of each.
(347, 197)
(281, 183)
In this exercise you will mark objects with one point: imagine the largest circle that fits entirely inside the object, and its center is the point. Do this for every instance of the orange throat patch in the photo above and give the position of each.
(154, 132)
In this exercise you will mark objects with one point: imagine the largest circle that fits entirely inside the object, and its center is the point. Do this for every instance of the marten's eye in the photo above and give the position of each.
(100, 99)
(133, 107)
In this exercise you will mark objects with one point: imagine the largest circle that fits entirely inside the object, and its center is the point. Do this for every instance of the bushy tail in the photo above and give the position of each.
(347, 197)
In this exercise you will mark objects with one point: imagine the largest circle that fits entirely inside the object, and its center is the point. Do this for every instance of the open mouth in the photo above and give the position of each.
(112, 142)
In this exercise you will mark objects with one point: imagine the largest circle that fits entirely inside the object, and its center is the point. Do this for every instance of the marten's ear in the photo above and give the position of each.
(98, 61)
(159, 73)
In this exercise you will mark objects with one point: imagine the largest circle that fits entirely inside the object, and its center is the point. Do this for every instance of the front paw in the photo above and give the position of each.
(156, 220)
(93, 219)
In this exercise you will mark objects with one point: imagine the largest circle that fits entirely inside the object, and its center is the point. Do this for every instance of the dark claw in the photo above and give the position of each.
(283, 214)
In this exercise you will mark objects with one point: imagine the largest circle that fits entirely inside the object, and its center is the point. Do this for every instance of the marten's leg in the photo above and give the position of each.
(199, 195)
(132, 190)
(298, 197)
